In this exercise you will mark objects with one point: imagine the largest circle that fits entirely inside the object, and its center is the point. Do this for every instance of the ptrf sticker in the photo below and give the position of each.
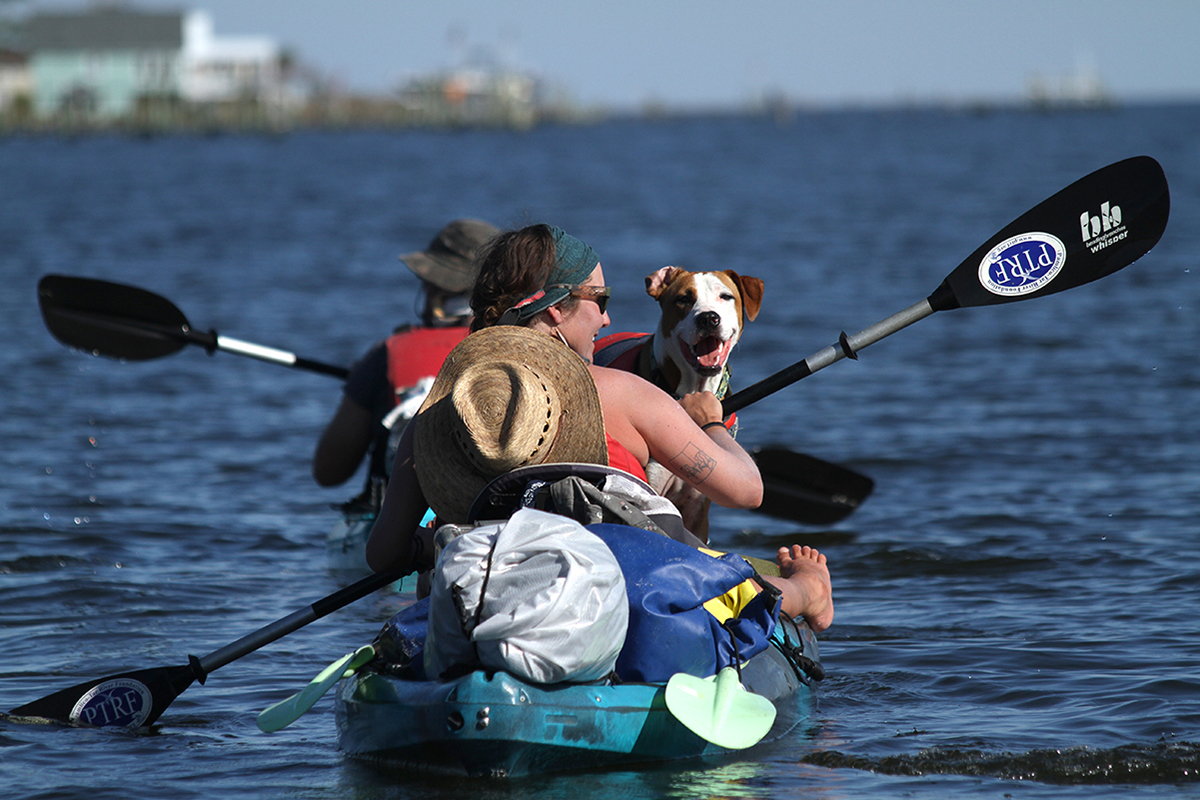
(121, 702)
(1022, 264)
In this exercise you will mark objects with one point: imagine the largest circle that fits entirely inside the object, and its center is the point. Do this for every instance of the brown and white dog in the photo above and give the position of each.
(703, 316)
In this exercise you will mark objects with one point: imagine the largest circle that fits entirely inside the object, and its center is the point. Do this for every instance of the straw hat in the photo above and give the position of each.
(506, 397)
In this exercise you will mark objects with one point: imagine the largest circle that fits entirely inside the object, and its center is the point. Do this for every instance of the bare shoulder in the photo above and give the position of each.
(643, 403)
(625, 384)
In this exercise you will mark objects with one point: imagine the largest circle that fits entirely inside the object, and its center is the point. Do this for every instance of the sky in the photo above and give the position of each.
(715, 53)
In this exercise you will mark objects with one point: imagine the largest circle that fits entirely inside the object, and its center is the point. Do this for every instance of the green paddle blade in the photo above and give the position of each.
(719, 709)
(285, 712)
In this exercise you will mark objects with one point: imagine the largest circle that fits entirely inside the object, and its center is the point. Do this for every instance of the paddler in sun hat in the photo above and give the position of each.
(506, 398)
(386, 386)
(545, 280)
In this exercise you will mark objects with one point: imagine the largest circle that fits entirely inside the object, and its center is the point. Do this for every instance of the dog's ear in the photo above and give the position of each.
(658, 281)
(752, 293)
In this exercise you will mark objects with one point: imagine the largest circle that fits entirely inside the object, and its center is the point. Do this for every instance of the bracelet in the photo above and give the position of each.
(708, 425)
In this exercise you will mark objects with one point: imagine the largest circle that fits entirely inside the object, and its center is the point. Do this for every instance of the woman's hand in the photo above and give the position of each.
(702, 407)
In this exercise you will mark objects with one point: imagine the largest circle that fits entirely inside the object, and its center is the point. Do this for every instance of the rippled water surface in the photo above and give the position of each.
(1016, 602)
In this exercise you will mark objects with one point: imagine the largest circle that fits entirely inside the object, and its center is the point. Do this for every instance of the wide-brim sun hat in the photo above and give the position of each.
(506, 397)
(451, 260)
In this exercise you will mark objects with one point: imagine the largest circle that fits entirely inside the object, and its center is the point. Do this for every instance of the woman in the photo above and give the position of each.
(547, 280)
(550, 282)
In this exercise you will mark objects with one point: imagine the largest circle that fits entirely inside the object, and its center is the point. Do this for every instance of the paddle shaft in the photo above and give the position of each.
(137, 698)
(212, 341)
(847, 347)
(276, 356)
(297, 619)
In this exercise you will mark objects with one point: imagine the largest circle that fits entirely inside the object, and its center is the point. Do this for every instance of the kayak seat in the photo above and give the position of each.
(587, 493)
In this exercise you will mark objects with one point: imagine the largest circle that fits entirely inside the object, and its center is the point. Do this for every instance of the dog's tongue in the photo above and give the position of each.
(710, 352)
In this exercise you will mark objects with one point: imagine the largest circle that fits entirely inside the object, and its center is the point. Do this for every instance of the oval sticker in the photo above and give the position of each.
(1022, 264)
(122, 702)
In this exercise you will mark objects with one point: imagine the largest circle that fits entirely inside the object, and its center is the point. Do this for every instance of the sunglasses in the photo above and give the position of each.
(597, 294)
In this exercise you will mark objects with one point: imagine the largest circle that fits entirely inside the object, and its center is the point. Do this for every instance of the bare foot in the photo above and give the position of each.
(808, 591)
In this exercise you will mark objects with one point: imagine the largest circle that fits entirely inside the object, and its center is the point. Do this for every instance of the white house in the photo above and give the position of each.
(218, 69)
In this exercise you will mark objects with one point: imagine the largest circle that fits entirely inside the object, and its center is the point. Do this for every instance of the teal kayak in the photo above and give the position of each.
(493, 724)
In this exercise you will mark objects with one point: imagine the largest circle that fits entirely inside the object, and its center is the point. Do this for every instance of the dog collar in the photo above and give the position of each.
(723, 388)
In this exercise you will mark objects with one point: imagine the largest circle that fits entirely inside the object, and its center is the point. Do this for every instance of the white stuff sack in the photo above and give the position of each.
(554, 605)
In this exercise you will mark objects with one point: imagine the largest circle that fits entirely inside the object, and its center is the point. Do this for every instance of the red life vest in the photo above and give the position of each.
(620, 350)
(416, 353)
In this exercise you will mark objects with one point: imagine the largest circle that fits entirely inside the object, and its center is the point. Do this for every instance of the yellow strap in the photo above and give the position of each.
(730, 604)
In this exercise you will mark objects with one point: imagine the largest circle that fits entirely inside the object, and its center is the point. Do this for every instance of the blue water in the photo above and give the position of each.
(1016, 603)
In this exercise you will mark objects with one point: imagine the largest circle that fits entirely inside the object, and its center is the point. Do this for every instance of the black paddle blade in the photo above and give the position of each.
(127, 700)
(111, 319)
(805, 489)
(1101, 223)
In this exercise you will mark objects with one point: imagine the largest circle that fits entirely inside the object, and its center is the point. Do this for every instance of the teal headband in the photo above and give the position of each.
(574, 261)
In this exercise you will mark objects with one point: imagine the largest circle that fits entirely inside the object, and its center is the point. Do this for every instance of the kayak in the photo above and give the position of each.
(527, 682)
(493, 724)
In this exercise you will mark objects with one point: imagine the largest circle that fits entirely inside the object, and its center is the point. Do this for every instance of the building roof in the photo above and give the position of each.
(105, 29)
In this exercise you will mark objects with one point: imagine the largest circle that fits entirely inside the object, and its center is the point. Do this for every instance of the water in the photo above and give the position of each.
(1016, 602)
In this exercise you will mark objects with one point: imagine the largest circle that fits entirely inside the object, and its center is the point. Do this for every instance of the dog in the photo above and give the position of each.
(702, 318)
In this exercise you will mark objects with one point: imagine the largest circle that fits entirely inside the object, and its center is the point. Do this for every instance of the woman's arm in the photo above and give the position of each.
(391, 542)
(343, 444)
(704, 409)
(649, 422)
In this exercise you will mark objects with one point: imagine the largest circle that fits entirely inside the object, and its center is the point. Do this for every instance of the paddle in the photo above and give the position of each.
(135, 699)
(720, 709)
(125, 322)
(1101, 223)
(802, 488)
(1094, 227)
(286, 711)
(118, 321)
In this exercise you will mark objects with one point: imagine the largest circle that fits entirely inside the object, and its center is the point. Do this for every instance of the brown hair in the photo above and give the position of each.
(515, 265)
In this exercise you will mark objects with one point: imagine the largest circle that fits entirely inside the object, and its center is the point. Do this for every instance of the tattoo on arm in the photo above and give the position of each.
(694, 464)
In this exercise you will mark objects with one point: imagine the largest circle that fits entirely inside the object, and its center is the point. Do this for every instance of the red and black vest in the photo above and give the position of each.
(416, 353)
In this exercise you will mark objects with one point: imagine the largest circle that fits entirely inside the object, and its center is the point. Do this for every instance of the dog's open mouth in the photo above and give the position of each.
(708, 354)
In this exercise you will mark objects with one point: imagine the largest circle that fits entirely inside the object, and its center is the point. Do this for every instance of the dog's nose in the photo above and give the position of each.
(708, 320)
